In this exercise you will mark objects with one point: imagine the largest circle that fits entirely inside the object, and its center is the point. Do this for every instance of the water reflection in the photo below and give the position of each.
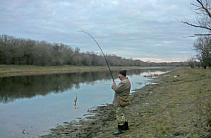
(37, 103)
(12, 88)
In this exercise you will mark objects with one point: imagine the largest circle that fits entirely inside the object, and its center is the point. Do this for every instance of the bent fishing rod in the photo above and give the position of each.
(102, 53)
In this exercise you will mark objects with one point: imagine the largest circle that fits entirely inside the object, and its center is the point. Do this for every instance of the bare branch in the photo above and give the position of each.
(204, 8)
(202, 34)
(198, 26)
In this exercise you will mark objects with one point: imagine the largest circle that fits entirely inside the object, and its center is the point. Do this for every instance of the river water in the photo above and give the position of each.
(31, 105)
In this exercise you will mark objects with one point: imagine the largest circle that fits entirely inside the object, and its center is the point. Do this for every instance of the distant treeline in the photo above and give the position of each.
(19, 51)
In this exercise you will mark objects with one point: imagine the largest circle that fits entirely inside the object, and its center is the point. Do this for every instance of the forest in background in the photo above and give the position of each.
(19, 51)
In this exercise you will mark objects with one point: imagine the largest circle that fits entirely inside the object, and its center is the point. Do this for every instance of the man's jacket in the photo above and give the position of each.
(122, 90)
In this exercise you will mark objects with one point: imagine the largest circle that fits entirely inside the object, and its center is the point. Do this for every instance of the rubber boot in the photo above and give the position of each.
(125, 126)
(119, 131)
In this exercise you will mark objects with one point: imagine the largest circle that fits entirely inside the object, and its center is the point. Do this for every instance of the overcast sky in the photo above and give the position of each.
(140, 29)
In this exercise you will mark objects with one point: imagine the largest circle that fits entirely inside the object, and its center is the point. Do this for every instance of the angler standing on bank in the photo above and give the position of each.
(122, 94)
(121, 99)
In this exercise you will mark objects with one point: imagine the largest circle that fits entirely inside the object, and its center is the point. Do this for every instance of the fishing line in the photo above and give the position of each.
(102, 52)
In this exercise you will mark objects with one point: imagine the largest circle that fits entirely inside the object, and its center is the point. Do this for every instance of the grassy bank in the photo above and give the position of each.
(178, 106)
(18, 70)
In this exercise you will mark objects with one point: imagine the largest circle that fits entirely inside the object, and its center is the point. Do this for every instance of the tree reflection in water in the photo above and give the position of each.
(12, 88)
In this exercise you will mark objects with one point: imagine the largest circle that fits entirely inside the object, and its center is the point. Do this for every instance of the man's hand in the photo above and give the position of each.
(114, 83)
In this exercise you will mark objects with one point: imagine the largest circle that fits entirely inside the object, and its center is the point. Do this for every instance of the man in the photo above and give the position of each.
(121, 90)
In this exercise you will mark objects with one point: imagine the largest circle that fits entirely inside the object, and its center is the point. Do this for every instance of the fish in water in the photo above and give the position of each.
(75, 100)
(23, 131)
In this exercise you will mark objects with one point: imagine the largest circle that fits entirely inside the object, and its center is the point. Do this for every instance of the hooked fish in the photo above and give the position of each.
(75, 100)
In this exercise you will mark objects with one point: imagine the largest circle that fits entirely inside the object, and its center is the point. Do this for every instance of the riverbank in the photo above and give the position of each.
(22, 70)
(178, 105)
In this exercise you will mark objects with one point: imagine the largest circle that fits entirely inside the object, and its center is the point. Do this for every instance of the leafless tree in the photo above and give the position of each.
(202, 9)
(203, 46)
(192, 62)
(29, 52)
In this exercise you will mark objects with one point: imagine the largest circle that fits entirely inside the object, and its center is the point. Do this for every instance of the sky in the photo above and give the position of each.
(149, 30)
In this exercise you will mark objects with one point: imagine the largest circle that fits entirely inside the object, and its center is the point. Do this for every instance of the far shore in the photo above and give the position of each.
(23, 70)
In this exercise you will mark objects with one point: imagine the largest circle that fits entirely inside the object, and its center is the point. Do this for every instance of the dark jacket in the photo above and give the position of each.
(122, 90)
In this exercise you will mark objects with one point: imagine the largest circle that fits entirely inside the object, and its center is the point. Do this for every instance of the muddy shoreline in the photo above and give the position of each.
(103, 123)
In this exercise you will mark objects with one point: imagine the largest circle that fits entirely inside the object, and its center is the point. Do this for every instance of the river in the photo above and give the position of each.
(31, 105)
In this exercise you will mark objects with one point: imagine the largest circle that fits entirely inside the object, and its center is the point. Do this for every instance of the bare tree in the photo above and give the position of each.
(202, 8)
(30, 52)
(27, 46)
(192, 62)
(42, 54)
(203, 46)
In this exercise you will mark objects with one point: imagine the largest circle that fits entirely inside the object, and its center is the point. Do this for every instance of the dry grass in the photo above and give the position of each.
(180, 107)
(18, 70)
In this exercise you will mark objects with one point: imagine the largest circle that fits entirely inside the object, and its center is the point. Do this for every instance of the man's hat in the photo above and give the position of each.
(123, 72)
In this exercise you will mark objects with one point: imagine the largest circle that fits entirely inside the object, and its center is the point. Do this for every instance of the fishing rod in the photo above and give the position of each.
(102, 52)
